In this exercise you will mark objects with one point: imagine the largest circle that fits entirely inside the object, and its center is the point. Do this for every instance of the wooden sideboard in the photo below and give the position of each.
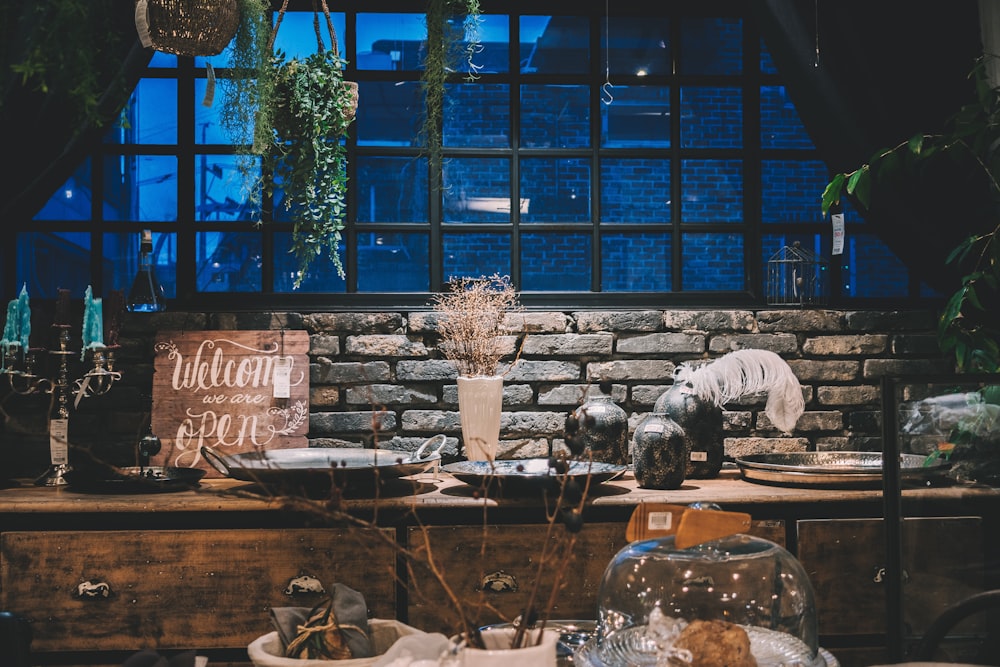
(102, 576)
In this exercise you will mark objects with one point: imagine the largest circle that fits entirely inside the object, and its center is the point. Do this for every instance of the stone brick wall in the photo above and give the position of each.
(383, 368)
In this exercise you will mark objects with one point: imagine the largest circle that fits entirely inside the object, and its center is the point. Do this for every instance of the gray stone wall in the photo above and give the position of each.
(384, 368)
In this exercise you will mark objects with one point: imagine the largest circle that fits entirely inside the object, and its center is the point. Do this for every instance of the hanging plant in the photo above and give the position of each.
(293, 114)
(452, 44)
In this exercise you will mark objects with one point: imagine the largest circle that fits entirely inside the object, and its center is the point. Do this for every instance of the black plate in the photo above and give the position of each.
(529, 475)
(149, 479)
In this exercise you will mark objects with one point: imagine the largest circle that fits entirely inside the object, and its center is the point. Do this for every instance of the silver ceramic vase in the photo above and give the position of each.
(701, 422)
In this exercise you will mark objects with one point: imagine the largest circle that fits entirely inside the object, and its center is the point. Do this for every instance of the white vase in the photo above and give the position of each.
(480, 400)
(498, 652)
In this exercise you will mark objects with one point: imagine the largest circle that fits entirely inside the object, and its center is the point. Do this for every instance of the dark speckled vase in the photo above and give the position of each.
(659, 452)
(701, 422)
(603, 429)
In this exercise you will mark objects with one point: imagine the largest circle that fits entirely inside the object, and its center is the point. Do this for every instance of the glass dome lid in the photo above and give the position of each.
(739, 601)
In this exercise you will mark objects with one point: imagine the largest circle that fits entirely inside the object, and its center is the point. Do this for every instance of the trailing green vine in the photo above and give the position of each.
(968, 327)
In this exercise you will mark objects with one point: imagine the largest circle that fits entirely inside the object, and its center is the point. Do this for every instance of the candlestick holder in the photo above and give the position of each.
(24, 378)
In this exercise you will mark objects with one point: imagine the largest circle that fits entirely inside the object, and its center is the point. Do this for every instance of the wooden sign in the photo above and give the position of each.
(229, 391)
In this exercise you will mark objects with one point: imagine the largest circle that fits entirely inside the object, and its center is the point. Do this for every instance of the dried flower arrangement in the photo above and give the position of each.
(473, 313)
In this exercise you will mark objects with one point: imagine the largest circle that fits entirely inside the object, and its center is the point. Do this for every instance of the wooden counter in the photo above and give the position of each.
(103, 575)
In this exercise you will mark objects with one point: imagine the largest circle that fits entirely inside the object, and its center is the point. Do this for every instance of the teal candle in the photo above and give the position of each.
(24, 314)
(10, 328)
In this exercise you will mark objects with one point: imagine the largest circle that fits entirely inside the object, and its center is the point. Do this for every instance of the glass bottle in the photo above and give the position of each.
(701, 421)
(603, 429)
(659, 453)
(146, 294)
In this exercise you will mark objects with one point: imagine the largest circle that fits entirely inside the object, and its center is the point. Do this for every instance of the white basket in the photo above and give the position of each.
(266, 651)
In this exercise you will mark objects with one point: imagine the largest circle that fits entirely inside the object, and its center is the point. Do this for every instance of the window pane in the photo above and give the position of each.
(638, 117)
(554, 190)
(148, 184)
(712, 262)
(477, 114)
(635, 262)
(635, 190)
(476, 255)
(390, 113)
(711, 46)
(121, 261)
(636, 45)
(73, 200)
(780, 125)
(390, 42)
(297, 35)
(555, 116)
(555, 262)
(321, 276)
(869, 268)
(228, 261)
(476, 190)
(151, 115)
(711, 117)
(393, 262)
(47, 261)
(712, 190)
(218, 189)
(208, 127)
(791, 190)
(767, 65)
(554, 45)
(391, 189)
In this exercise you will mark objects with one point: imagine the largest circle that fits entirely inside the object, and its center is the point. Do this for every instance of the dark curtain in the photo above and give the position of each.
(887, 69)
(90, 43)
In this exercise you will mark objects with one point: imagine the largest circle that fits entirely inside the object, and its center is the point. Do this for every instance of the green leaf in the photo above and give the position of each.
(831, 194)
(916, 143)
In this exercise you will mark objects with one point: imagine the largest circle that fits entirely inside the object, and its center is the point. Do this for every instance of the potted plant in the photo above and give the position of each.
(301, 110)
(968, 328)
(472, 316)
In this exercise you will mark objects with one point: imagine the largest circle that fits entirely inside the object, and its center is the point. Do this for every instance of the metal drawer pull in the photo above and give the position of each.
(304, 584)
(88, 590)
(880, 573)
(499, 582)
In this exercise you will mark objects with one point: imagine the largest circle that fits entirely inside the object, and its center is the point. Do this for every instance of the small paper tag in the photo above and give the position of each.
(838, 233)
(653, 428)
(282, 377)
(699, 456)
(59, 441)
(659, 521)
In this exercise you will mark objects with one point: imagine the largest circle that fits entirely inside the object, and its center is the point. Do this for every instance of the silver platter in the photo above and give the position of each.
(840, 469)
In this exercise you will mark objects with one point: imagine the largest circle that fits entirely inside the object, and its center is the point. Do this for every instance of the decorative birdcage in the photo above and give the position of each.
(797, 277)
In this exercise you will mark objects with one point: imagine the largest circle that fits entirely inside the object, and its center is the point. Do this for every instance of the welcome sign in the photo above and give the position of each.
(229, 391)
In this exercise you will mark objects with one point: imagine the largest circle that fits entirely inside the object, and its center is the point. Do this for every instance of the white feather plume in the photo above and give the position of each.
(743, 372)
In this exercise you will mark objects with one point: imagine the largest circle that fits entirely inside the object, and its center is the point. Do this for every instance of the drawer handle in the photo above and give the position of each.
(89, 590)
(304, 584)
(499, 582)
(880, 572)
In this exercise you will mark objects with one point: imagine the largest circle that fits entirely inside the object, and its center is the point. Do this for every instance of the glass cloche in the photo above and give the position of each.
(738, 601)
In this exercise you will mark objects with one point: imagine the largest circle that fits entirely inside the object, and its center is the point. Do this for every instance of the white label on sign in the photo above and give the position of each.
(838, 233)
(282, 377)
(59, 441)
(659, 521)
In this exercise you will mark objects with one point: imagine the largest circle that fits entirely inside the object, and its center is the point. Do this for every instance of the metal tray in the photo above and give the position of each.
(309, 466)
(146, 479)
(840, 469)
(529, 475)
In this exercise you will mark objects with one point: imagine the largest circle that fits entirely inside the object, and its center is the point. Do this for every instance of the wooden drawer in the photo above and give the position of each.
(494, 570)
(180, 589)
(943, 560)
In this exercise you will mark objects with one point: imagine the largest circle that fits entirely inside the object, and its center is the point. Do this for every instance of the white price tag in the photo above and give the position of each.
(653, 428)
(659, 521)
(838, 233)
(282, 377)
(699, 456)
(59, 441)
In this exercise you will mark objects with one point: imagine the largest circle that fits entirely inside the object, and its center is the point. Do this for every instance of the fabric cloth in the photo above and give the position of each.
(349, 608)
